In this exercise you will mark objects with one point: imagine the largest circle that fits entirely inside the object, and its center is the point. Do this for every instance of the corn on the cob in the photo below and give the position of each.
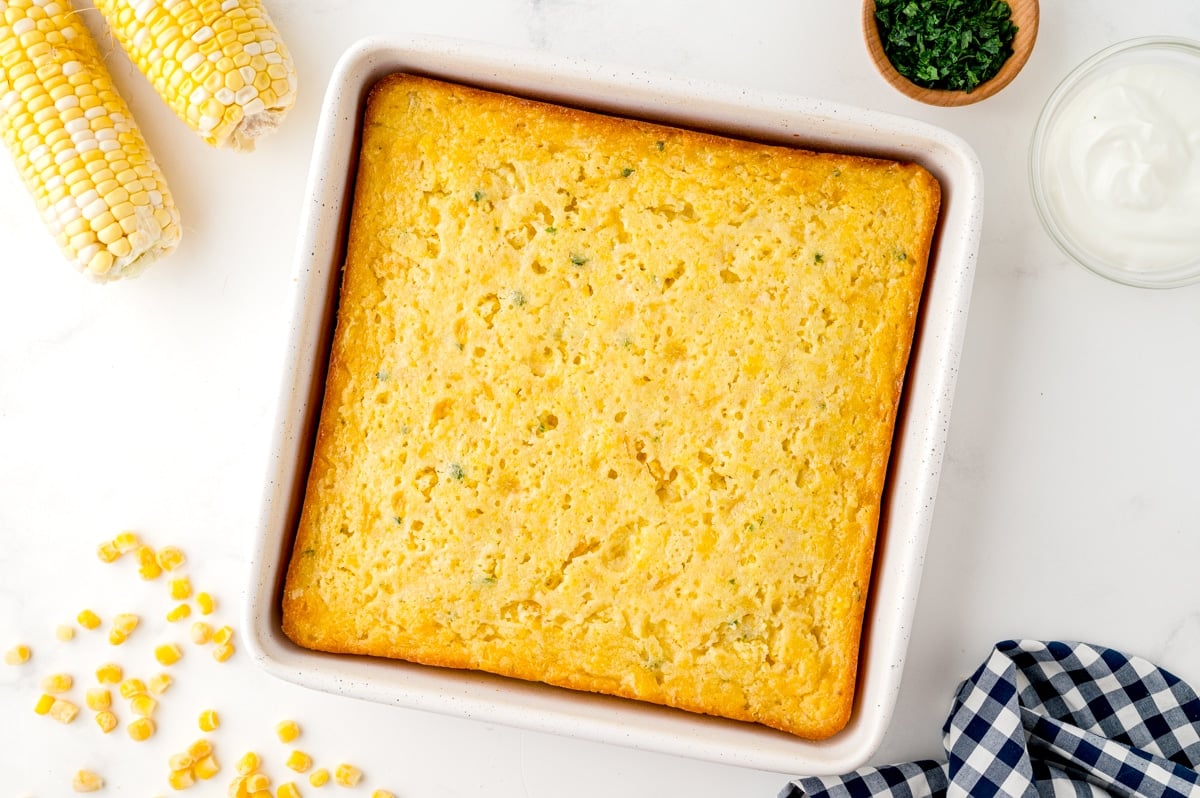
(76, 146)
(219, 64)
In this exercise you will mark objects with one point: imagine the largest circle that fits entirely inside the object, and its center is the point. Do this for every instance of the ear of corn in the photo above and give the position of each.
(219, 64)
(76, 146)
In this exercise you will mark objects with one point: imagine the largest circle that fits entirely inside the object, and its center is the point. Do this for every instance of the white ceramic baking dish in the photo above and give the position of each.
(920, 438)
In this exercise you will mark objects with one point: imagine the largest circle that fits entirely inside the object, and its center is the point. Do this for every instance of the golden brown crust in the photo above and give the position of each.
(610, 405)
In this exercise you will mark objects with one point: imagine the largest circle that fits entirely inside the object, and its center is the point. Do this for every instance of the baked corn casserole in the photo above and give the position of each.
(609, 405)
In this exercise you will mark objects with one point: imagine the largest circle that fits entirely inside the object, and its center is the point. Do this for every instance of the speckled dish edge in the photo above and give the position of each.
(913, 473)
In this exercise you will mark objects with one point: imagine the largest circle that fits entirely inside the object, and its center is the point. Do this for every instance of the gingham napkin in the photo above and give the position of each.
(1050, 719)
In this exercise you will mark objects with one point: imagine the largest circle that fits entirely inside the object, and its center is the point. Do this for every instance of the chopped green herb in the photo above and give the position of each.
(382, 375)
(478, 196)
(518, 299)
(952, 45)
(837, 172)
(488, 580)
(626, 172)
(901, 255)
(660, 145)
(819, 258)
(398, 519)
(456, 472)
(309, 552)
(578, 259)
(551, 230)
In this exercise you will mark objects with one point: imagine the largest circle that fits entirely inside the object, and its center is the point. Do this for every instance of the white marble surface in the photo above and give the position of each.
(1067, 509)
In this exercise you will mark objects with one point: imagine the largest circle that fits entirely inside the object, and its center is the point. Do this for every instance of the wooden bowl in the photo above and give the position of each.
(1024, 16)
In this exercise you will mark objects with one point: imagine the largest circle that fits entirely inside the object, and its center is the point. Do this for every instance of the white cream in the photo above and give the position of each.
(1122, 166)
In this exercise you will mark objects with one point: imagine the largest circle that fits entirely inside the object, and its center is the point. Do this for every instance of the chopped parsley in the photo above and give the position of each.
(578, 259)
(819, 258)
(518, 299)
(456, 472)
(626, 172)
(478, 196)
(660, 145)
(551, 230)
(952, 45)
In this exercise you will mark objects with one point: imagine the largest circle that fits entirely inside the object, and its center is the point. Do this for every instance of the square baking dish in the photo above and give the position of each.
(919, 441)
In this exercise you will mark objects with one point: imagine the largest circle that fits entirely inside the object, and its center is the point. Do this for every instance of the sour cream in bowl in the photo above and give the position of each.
(1115, 163)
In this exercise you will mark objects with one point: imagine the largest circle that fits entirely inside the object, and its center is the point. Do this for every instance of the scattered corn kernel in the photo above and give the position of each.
(159, 683)
(141, 729)
(107, 551)
(223, 652)
(126, 542)
(179, 612)
(237, 788)
(299, 761)
(88, 619)
(98, 698)
(106, 720)
(206, 768)
(109, 673)
(122, 628)
(319, 777)
(86, 781)
(257, 782)
(287, 730)
(170, 558)
(223, 635)
(201, 633)
(249, 763)
(148, 567)
(65, 633)
(260, 794)
(180, 762)
(181, 779)
(132, 687)
(17, 655)
(143, 705)
(209, 720)
(63, 711)
(347, 775)
(287, 790)
(168, 653)
(57, 683)
(42, 707)
(200, 749)
(206, 603)
(180, 588)
(382, 794)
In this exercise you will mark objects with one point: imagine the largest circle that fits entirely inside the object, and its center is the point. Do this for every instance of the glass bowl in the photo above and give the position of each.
(1114, 164)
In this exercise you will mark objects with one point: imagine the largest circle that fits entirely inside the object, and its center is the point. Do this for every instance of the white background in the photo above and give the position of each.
(1067, 509)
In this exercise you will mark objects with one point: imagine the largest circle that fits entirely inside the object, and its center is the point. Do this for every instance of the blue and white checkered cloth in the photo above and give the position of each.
(1050, 719)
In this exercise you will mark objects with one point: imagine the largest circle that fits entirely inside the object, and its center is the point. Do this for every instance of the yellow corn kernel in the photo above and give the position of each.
(143, 705)
(57, 683)
(206, 603)
(197, 52)
(42, 707)
(299, 761)
(109, 673)
(287, 730)
(63, 711)
(65, 633)
(122, 628)
(257, 782)
(237, 788)
(206, 768)
(132, 687)
(180, 588)
(106, 720)
(148, 567)
(181, 779)
(249, 763)
(200, 749)
(223, 635)
(382, 794)
(347, 775)
(126, 542)
(98, 698)
(319, 777)
(168, 653)
(287, 790)
(209, 720)
(86, 781)
(140, 729)
(223, 652)
(170, 558)
(107, 551)
(88, 619)
(180, 762)
(159, 683)
(201, 633)
(17, 655)
(260, 794)
(179, 613)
